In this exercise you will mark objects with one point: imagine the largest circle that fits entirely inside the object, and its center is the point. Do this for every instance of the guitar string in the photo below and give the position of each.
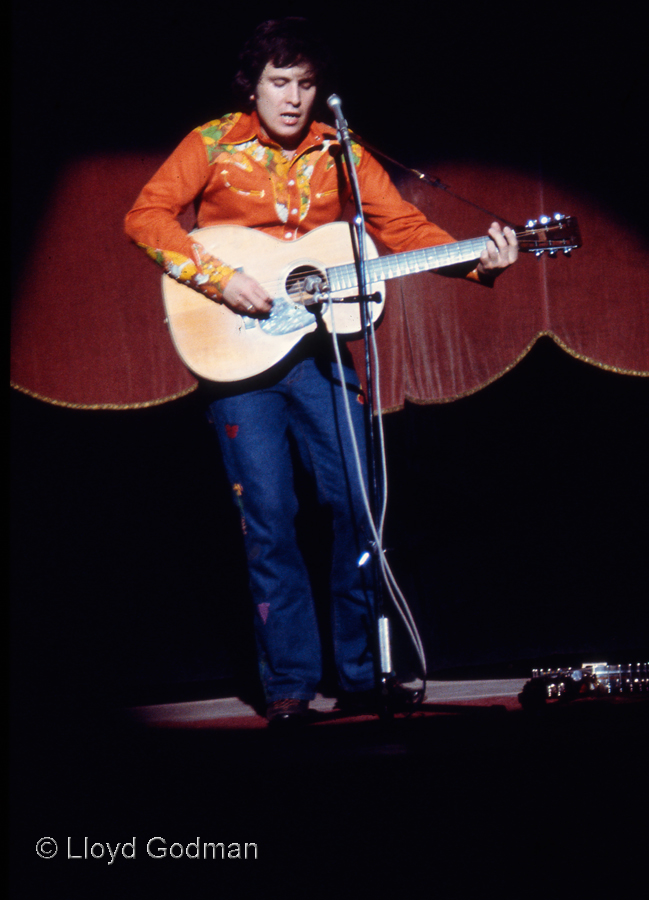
(275, 286)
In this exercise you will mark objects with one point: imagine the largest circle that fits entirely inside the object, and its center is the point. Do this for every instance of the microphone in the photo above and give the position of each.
(335, 106)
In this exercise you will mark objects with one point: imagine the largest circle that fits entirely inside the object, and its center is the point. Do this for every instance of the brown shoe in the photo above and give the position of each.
(287, 712)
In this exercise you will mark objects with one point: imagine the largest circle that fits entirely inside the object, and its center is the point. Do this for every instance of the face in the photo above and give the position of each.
(284, 101)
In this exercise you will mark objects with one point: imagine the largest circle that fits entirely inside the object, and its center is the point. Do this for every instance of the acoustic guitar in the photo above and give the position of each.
(311, 279)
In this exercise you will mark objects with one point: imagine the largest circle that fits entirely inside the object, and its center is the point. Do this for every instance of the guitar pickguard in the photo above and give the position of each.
(284, 318)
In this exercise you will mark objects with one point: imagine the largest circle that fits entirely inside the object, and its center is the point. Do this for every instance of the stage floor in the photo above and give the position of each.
(469, 792)
(440, 698)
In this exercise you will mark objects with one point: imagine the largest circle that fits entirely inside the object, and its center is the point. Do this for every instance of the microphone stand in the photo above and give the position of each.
(386, 673)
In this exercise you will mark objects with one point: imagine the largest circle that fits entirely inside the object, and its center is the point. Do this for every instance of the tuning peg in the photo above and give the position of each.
(544, 220)
(530, 223)
(558, 217)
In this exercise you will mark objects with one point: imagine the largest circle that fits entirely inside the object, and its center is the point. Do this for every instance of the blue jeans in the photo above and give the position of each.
(299, 409)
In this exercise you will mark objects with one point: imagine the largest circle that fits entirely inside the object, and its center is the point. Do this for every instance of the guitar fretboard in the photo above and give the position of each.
(409, 263)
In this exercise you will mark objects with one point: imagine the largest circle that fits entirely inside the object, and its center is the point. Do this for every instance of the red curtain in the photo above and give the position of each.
(88, 323)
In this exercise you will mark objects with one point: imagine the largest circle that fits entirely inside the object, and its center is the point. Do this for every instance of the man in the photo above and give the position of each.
(275, 167)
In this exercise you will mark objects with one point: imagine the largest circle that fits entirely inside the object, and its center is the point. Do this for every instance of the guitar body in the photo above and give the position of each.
(219, 345)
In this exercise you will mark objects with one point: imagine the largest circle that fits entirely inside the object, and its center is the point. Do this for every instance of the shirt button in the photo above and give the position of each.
(291, 182)
(288, 236)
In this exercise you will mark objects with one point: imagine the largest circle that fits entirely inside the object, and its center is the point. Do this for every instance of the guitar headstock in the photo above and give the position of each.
(549, 234)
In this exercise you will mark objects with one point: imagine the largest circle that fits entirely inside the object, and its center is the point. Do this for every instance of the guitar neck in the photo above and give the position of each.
(407, 263)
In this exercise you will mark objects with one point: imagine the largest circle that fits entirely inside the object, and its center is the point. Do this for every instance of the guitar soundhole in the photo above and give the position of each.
(304, 283)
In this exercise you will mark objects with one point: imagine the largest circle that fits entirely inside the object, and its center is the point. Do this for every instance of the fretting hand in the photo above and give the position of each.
(500, 253)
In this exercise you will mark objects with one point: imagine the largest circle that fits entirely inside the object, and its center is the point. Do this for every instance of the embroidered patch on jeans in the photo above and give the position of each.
(237, 490)
(232, 430)
(263, 611)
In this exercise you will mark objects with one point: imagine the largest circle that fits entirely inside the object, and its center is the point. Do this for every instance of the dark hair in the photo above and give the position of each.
(282, 43)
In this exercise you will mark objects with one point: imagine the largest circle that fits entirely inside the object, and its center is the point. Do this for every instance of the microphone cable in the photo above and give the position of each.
(377, 530)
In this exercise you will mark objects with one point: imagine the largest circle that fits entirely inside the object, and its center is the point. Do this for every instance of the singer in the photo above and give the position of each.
(276, 166)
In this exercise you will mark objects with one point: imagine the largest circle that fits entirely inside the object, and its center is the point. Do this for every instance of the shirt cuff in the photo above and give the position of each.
(210, 277)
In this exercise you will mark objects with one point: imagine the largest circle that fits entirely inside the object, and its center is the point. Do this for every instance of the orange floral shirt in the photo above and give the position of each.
(238, 176)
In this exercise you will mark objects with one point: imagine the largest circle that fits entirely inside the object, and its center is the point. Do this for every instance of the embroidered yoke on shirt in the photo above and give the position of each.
(236, 175)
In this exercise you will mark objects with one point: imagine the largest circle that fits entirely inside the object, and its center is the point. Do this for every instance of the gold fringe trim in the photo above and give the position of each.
(592, 362)
(107, 406)
(580, 356)
(407, 399)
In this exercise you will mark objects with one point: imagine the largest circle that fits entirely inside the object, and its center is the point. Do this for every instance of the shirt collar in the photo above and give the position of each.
(247, 127)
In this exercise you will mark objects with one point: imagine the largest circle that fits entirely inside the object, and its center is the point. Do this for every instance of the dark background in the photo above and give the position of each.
(517, 520)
